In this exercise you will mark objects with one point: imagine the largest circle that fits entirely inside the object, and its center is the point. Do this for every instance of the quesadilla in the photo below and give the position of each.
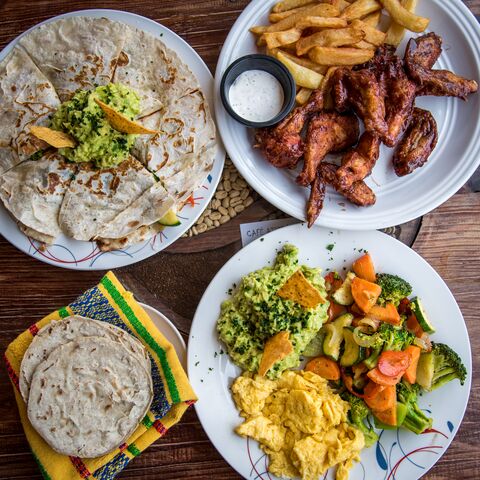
(97, 196)
(27, 98)
(33, 193)
(76, 52)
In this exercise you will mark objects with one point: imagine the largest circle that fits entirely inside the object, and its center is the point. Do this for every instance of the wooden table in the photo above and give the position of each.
(174, 280)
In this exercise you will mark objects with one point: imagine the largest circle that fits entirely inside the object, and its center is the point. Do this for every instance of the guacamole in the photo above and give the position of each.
(255, 313)
(84, 120)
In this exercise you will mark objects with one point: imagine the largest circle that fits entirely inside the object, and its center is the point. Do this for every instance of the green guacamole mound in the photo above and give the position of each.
(85, 121)
(256, 312)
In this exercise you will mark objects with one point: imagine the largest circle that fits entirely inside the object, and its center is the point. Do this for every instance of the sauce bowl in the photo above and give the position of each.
(270, 65)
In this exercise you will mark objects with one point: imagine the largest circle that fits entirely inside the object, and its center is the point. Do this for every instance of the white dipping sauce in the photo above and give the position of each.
(256, 96)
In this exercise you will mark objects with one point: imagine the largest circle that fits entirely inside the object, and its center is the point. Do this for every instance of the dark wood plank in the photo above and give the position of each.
(174, 281)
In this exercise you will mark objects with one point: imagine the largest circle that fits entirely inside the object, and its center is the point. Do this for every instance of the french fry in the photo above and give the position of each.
(276, 17)
(340, 56)
(304, 62)
(326, 88)
(303, 95)
(362, 45)
(321, 22)
(396, 32)
(404, 17)
(286, 5)
(373, 19)
(340, 4)
(372, 35)
(303, 76)
(259, 29)
(360, 8)
(277, 39)
(319, 10)
(330, 38)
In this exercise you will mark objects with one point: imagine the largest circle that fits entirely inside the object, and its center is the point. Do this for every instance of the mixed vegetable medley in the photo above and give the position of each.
(376, 347)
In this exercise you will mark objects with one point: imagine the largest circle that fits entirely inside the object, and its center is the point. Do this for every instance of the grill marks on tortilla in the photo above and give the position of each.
(26, 98)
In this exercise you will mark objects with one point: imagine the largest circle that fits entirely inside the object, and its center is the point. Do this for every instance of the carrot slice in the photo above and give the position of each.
(364, 268)
(388, 416)
(378, 377)
(414, 326)
(324, 367)
(387, 314)
(410, 374)
(393, 364)
(380, 398)
(365, 293)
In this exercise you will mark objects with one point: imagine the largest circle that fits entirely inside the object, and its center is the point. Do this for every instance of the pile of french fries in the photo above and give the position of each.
(313, 37)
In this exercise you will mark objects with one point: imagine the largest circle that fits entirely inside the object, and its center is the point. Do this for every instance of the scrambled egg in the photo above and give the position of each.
(299, 422)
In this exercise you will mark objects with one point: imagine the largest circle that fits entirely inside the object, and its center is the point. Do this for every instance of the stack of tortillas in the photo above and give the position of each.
(87, 385)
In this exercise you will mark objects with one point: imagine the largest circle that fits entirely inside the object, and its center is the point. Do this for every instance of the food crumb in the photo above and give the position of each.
(330, 247)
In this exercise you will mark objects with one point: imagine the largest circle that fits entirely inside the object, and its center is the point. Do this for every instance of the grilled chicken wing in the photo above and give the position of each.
(327, 132)
(417, 144)
(360, 91)
(359, 193)
(315, 201)
(282, 144)
(358, 163)
(420, 56)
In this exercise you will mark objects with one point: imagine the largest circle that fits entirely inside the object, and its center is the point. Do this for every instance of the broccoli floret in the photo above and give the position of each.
(358, 415)
(416, 421)
(447, 366)
(394, 289)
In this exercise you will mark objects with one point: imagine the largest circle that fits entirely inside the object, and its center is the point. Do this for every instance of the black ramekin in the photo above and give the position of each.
(270, 65)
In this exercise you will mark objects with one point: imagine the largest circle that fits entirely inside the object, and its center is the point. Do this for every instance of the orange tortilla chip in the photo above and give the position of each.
(276, 349)
(120, 122)
(53, 137)
(298, 289)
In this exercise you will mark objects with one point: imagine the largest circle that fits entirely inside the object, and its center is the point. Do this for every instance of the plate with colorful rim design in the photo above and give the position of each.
(74, 254)
(399, 199)
(399, 454)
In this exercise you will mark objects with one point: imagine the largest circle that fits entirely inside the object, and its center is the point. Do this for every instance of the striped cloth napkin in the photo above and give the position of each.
(110, 302)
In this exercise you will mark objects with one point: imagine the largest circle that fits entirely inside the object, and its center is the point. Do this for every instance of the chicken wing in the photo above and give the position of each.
(359, 193)
(360, 91)
(420, 56)
(315, 201)
(282, 144)
(327, 132)
(417, 144)
(358, 163)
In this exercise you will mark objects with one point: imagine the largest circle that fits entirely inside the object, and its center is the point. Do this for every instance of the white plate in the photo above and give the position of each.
(398, 199)
(74, 254)
(398, 455)
(169, 331)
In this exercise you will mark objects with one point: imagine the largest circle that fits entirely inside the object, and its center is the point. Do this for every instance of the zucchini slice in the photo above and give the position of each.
(421, 315)
(425, 370)
(334, 335)
(170, 219)
(343, 296)
(315, 347)
(352, 352)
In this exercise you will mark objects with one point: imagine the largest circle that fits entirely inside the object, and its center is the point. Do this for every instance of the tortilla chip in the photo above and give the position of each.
(120, 122)
(53, 137)
(276, 349)
(298, 289)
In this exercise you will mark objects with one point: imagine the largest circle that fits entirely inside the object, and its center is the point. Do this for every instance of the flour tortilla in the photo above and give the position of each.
(88, 397)
(32, 233)
(71, 328)
(26, 98)
(96, 197)
(33, 192)
(140, 235)
(76, 52)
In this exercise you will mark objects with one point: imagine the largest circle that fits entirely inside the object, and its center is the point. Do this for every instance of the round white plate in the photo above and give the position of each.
(74, 254)
(399, 455)
(169, 331)
(399, 200)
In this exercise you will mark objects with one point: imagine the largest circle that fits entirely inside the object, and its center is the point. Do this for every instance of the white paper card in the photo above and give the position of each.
(252, 231)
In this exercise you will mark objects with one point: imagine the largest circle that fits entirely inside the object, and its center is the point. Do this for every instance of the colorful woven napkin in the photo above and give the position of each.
(110, 302)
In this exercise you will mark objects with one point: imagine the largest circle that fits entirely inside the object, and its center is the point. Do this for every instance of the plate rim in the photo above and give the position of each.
(381, 220)
(250, 247)
(219, 161)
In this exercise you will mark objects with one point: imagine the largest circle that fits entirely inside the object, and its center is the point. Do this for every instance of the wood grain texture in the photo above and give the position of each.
(173, 281)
